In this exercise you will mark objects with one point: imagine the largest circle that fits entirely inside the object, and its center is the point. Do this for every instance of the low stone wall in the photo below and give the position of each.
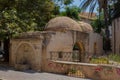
(84, 70)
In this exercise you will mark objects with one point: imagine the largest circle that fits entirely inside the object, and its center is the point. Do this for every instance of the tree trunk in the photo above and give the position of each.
(107, 44)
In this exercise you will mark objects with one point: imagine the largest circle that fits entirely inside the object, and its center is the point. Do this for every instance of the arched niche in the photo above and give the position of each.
(25, 55)
(79, 46)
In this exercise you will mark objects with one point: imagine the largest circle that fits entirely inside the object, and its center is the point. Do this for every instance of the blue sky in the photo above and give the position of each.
(77, 3)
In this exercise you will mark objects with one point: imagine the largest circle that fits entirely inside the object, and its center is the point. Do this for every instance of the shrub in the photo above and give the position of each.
(99, 61)
(114, 57)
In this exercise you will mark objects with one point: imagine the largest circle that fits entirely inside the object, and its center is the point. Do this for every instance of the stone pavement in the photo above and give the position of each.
(9, 74)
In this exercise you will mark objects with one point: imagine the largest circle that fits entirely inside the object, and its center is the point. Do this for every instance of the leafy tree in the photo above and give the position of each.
(18, 16)
(63, 3)
(116, 9)
(98, 25)
(67, 2)
(12, 25)
(103, 5)
(24, 15)
(39, 10)
(72, 12)
(60, 4)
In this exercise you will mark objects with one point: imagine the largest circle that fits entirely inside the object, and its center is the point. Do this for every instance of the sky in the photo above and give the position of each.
(77, 3)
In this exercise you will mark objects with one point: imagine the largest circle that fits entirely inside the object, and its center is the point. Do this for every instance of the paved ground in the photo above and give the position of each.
(9, 74)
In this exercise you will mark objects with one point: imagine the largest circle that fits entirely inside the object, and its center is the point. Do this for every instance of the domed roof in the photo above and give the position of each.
(85, 27)
(63, 23)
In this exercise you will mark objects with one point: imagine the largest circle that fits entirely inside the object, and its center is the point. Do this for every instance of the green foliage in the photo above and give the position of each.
(72, 12)
(106, 60)
(75, 47)
(67, 2)
(89, 4)
(60, 4)
(98, 25)
(23, 15)
(99, 61)
(72, 70)
(114, 57)
(9, 23)
(116, 9)
(56, 10)
(39, 10)
(63, 2)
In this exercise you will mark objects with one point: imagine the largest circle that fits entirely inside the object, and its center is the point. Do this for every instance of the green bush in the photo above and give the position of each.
(99, 61)
(114, 57)
(73, 71)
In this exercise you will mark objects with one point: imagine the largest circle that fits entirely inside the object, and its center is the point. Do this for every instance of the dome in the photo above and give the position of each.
(85, 27)
(63, 23)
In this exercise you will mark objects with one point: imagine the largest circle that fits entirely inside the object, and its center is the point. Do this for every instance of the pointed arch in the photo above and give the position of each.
(80, 47)
(25, 54)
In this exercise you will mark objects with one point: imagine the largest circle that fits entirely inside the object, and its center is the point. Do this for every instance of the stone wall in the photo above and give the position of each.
(95, 42)
(60, 41)
(84, 70)
(35, 50)
(65, 41)
(83, 38)
(116, 36)
(26, 51)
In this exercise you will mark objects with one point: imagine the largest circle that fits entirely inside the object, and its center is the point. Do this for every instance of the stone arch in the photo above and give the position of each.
(25, 54)
(81, 48)
(23, 42)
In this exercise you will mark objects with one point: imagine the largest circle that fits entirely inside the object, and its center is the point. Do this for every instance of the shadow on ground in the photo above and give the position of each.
(7, 68)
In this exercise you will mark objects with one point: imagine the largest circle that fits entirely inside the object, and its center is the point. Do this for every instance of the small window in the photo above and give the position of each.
(60, 55)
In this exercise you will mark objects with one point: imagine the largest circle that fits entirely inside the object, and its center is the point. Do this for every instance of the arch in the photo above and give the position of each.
(23, 42)
(80, 47)
(25, 54)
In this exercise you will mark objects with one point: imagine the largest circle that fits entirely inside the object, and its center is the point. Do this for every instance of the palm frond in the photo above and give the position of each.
(91, 4)
(116, 11)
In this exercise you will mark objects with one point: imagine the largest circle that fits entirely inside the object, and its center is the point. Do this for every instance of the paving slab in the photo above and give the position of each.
(10, 74)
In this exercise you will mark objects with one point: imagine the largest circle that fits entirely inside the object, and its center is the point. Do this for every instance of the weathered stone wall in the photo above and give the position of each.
(26, 51)
(83, 38)
(97, 39)
(35, 51)
(61, 41)
(65, 41)
(116, 36)
(85, 70)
